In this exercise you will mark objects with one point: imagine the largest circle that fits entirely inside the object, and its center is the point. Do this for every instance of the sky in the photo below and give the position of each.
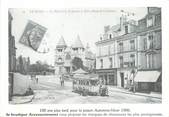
(88, 23)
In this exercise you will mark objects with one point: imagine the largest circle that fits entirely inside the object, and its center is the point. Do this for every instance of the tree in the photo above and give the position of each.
(28, 65)
(21, 67)
(39, 67)
(77, 63)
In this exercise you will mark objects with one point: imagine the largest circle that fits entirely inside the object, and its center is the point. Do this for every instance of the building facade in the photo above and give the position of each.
(11, 55)
(65, 54)
(116, 55)
(12, 48)
(149, 37)
(127, 48)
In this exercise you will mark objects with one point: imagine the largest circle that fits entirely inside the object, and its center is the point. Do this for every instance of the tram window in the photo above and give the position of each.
(87, 82)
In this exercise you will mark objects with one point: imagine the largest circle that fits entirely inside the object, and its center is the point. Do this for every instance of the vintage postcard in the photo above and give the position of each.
(68, 60)
(85, 55)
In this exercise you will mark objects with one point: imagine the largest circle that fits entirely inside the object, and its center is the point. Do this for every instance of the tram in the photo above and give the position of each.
(86, 84)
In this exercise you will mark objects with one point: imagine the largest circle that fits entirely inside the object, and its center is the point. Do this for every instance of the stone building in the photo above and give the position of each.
(116, 56)
(11, 55)
(65, 54)
(149, 51)
(11, 44)
(128, 50)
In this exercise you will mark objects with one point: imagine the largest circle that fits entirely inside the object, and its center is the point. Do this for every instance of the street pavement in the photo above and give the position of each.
(49, 91)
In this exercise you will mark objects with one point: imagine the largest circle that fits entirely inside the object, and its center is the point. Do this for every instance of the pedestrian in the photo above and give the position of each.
(62, 80)
(100, 89)
(37, 80)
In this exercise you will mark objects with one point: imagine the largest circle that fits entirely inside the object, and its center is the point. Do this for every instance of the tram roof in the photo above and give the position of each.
(85, 77)
(80, 71)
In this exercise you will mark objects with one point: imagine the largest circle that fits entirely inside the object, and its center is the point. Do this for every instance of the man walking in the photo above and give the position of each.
(60, 80)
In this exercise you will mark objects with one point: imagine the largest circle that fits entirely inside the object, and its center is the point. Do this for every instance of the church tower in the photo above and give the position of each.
(78, 48)
(60, 56)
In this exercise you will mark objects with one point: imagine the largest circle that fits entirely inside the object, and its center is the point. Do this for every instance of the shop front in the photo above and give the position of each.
(148, 81)
(107, 76)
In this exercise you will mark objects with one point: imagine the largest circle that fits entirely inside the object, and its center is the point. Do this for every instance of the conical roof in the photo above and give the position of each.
(61, 42)
(77, 43)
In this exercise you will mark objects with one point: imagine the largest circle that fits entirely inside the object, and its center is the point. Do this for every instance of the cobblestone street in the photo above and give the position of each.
(50, 92)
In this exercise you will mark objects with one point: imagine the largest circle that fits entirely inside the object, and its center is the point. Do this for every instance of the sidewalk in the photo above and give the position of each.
(122, 90)
(21, 99)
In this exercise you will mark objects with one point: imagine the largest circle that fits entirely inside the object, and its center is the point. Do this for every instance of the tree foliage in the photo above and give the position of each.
(77, 63)
(21, 68)
(39, 67)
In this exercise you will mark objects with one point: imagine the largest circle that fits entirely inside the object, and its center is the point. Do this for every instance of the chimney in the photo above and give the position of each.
(123, 19)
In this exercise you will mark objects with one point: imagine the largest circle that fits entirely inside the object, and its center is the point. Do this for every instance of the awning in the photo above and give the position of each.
(147, 76)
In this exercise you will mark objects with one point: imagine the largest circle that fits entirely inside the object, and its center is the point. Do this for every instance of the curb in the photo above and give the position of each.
(23, 102)
(135, 94)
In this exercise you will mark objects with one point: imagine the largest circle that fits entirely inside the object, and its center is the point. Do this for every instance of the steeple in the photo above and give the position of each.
(77, 43)
(61, 43)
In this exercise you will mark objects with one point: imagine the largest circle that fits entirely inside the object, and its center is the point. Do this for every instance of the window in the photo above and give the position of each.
(120, 47)
(132, 45)
(121, 61)
(132, 58)
(75, 49)
(149, 21)
(101, 62)
(110, 36)
(126, 29)
(150, 39)
(145, 43)
(158, 19)
(109, 50)
(150, 60)
(59, 50)
(142, 24)
(110, 59)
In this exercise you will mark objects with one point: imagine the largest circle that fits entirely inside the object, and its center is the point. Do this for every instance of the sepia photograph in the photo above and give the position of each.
(85, 56)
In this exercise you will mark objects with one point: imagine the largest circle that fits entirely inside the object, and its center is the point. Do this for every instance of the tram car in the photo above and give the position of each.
(89, 85)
